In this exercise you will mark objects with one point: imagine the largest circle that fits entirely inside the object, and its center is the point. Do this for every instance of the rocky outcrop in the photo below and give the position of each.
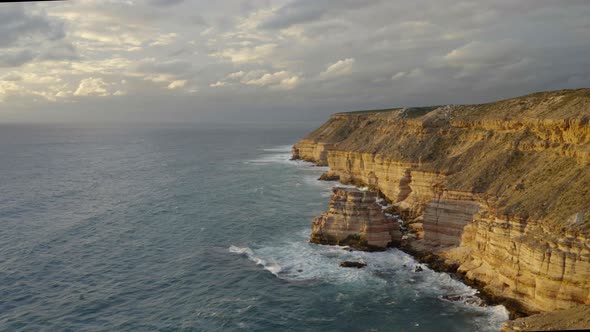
(574, 319)
(358, 265)
(500, 190)
(355, 219)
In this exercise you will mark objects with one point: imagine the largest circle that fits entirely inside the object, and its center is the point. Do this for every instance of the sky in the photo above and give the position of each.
(271, 60)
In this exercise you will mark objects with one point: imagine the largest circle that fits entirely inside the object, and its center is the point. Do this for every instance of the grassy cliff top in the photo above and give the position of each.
(560, 104)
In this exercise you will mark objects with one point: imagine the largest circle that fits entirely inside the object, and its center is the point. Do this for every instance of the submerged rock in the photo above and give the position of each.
(358, 265)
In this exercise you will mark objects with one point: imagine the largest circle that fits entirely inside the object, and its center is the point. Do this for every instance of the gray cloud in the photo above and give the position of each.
(166, 67)
(15, 58)
(162, 3)
(24, 35)
(305, 11)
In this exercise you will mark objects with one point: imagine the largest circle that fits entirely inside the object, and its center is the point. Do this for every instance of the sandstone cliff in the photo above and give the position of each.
(501, 190)
(355, 219)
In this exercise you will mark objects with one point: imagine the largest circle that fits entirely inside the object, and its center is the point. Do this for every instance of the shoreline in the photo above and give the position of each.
(438, 264)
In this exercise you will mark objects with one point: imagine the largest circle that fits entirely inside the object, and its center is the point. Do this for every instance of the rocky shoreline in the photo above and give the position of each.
(355, 219)
(497, 194)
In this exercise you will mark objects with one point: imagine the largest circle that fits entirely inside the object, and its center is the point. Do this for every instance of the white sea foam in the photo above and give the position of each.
(279, 154)
(280, 148)
(240, 250)
(273, 158)
(272, 267)
(296, 260)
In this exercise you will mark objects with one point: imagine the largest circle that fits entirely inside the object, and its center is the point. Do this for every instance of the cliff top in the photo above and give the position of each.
(560, 104)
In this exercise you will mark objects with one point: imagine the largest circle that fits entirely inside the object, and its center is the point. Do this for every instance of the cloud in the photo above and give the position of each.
(24, 34)
(478, 53)
(339, 68)
(330, 55)
(306, 11)
(92, 87)
(398, 75)
(15, 58)
(217, 84)
(7, 88)
(153, 65)
(177, 84)
(295, 13)
(23, 27)
(247, 54)
(281, 80)
(13, 77)
(164, 3)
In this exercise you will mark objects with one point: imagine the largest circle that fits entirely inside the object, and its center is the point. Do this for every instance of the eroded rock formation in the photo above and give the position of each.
(355, 219)
(501, 190)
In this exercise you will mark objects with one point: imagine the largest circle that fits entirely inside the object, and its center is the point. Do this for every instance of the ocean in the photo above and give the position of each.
(193, 228)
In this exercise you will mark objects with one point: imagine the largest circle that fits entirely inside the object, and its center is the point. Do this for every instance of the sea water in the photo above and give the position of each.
(193, 228)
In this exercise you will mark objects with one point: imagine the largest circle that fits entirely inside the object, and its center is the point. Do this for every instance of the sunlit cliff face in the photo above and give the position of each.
(193, 60)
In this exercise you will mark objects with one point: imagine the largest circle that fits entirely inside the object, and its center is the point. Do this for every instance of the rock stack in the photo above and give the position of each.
(355, 219)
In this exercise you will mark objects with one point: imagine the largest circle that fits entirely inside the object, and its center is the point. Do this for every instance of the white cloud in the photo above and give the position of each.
(217, 84)
(63, 94)
(177, 84)
(398, 75)
(283, 79)
(236, 75)
(7, 88)
(115, 65)
(92, 87)
(247, 54)
(290, 83)
(104, 38)
(164, 39)
(340, 68)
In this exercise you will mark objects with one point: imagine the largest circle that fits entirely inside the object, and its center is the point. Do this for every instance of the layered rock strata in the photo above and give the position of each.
(501, 190)
(355, 219)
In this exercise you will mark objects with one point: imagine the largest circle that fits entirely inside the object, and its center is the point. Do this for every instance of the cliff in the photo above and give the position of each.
(355, 219)
(499, 190)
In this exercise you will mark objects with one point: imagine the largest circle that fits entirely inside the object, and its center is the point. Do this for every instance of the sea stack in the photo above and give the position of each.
(355, 219)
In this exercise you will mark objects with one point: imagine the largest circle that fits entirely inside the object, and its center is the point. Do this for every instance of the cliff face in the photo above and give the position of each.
(354, 218)
(502, 189)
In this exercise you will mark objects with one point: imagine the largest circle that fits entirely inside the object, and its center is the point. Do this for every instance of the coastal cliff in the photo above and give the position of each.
(499, 191)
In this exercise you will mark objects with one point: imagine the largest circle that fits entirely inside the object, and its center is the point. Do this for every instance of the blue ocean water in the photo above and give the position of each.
(192, 228)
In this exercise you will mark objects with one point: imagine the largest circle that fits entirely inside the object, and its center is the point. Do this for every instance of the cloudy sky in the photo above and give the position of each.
(175, 60)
